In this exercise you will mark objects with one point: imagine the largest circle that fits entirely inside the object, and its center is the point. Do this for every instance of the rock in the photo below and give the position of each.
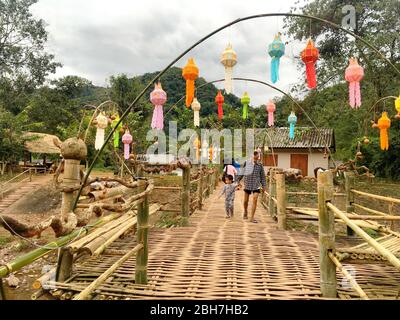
(12, 281)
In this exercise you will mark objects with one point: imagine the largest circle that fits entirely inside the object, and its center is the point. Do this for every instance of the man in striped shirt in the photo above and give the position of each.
(254, 179)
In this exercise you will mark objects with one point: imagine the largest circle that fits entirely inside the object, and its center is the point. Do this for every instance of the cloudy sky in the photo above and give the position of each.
(98, 38)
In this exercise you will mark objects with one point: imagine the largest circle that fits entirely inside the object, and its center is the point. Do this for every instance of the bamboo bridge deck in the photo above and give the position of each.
(219, 258)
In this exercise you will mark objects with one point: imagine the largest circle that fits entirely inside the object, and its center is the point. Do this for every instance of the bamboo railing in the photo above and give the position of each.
(330, 256)
(5, 186)
(197, 183)
(275, 200)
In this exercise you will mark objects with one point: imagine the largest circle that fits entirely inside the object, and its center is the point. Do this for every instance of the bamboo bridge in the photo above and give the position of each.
(213, 257)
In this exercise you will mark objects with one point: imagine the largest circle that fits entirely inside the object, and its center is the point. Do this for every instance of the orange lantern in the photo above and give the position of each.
(310, 55)
(190, 73)
(383, 125)
(219, 100)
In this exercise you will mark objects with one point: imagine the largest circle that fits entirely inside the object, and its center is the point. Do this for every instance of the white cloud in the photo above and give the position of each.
(97, 38)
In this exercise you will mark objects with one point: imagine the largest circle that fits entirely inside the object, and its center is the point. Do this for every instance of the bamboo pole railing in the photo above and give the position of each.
(3, 186)
(88, 290)
(36, 254)
(281, 200)
(375, 212)
(348, 276)
(377, 197)
(361, 233)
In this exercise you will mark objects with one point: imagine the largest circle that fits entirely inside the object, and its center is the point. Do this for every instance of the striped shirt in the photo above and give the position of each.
(254, 175)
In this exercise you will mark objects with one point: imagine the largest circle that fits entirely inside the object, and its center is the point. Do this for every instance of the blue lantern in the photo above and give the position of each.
(276, 50)
(292, 119)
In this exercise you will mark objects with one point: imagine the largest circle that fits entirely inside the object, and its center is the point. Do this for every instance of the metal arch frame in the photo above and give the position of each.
(334, 25)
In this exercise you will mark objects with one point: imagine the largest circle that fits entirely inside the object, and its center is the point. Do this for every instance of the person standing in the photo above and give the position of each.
(254, 182)
(229, 191)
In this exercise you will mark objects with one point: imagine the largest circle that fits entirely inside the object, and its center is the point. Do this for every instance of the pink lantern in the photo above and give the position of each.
(354, 74)
(158, 97)
(127, 140)
(271, 109)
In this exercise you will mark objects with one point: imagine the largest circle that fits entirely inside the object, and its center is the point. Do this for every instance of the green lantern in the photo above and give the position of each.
(245, 102)
(117, 130)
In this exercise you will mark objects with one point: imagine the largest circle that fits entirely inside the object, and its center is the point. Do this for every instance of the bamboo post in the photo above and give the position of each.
(207, 178)
(200, 188)
(349, 185)
(142, 235)
(2, 295)
(216, 177)
(185, 205)
(73, 150)
(271, 191)
(281, 200)
(326, 235)
(64, 265)
(30, 175)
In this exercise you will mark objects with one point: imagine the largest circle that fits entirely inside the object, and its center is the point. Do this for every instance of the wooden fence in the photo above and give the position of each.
(385, 248)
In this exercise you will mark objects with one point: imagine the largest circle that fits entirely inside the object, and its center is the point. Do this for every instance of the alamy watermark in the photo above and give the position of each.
(349, 18)
(206, 145)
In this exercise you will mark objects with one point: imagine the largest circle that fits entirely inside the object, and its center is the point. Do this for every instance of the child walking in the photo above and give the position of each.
(229, 191)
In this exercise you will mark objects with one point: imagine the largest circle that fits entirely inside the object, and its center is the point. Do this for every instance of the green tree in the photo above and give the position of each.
(11, 141)
(377, 23)
(22, 41)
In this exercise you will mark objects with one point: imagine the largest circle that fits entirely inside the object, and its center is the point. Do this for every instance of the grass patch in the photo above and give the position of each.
(372, 233)
(171, 220)
(4, 240)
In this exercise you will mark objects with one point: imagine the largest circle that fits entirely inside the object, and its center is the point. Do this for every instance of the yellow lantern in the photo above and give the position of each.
(397, 106)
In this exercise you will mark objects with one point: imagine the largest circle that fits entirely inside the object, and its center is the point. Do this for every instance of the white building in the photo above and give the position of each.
(308, 150)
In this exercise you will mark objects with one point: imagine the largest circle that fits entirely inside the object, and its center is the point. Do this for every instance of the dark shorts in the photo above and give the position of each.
(252, 191)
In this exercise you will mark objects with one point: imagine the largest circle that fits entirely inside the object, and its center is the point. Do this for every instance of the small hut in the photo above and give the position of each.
(41, 144)
(310, 148)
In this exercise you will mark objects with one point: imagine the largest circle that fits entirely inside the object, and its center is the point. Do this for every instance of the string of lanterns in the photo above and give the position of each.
(354, 74)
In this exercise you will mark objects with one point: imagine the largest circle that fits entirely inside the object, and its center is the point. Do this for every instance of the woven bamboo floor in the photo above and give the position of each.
(219, 258)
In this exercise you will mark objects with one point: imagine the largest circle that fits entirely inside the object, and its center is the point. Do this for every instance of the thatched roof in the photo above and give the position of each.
(41, 143)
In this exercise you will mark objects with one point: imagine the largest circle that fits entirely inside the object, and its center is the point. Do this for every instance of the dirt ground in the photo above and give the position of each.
(32, 208)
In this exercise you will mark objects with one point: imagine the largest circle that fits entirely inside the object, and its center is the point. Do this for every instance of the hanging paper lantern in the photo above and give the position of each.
(211, 153)
(383, 125)
(219, 100)
(354, 74)
(245, 102)
(190, 73)
(158, 97)
(196, 106)
(228, 59)
(310, 56)
(102, 122)
(292, 119)
(397, 106)
(271, 109)
(276, 50)
(127, 140)
(117, 130)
